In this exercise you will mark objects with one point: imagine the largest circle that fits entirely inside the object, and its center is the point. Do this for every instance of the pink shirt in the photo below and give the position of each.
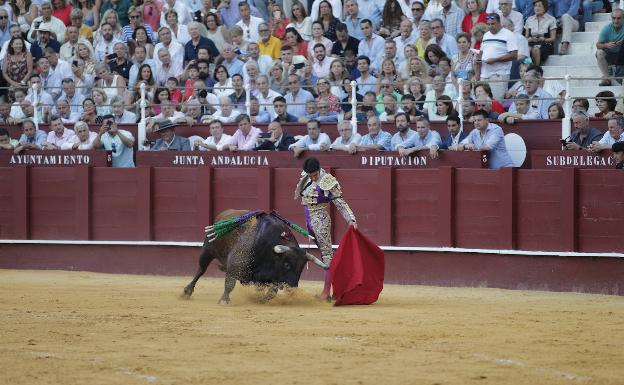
(67, 137)
(248, 142)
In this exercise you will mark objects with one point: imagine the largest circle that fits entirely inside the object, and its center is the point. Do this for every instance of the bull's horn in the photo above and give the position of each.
(317, 261)
(280, 249)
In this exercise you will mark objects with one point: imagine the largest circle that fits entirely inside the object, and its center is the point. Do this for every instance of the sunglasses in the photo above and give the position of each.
(492, 17)
(4, 17)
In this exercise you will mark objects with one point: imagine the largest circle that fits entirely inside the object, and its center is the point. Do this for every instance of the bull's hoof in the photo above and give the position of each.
(188, 292)
(224, 301)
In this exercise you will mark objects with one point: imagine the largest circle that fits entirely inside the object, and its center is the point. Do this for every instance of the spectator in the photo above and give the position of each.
(196, 41)
(89, 113)
(323, 92)
(337, 75)
(215, 30)
(275, 139)
(522, 111)
(424, 139)
(350, 64)
(120, 114)
(169, 141)
(411, 107)
(443, 39)
(18, 63)
(525, 7)
(5, 25)
(388, 27)
(44, 41)
(6, 143)
(372, 44)
(141, 39)
(444, 108)
(376, 139)
(404, 132)
(605, 101)
(476, 35)
(483, 90)
(168, 112)
(62, 10)
(406, 38)
(345, 104)
(136, 21)
(618, 154)
(238, 97)
(282, 116)
(439, 88)
(390, 55)
(347, 140)
(176, 50)
(315, 140)
(539, 99)
(327, 18)
(584, 135)
(257, 115)
(58, 135)
(64, 112)
(295, 42)
(112, 84)
(250, 24)
(167, 67)
(352, 20)
(580, 104)
(25, 12)
(614, 134)
(69, 49)
(14, 113)
(105, 44)
(318, 38)
(343, 42)
(296, 97)
(455, 133)
(217, 139)
(110, 17)
(265, 95)
(83, 140)
(487, 136)
(322, 62)
(300, 20)
(366, 82)
(424, 38)
(77, 18)
(223, 82)
(474, 14)
(452, 17)
(463, 63)
(263, 61)
(390, 108)
(315, 9)
(47, 24)
(181, 8)
(245, 137)
(32, 138)
(496, 57)
(590, 7)
(226, 112)
(485, 103)
(433, 54)
(566, 12)
(179, 30)
(268, 44)
(139, 60)
(540, 30)
(417, 12)
(119, 142)
(231, 62)
(194, 111)
(508, 14)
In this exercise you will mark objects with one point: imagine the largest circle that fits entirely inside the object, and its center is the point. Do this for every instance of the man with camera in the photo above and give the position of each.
(47, 22)
(274, 140)
(584, 135)
(43, 41)
(119, 142)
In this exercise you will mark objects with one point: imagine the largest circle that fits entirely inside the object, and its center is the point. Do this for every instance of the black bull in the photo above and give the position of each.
(262, 252)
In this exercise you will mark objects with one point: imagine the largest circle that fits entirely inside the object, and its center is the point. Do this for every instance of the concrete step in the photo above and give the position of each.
(595, 26)
(585, 37)
(601, 17)
(581, 48)
(590, 92)
(576, 71)
(571, 60)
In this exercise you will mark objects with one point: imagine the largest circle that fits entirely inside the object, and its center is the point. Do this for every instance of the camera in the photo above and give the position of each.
(111, 56)
(203, 94)
(37, 24)
(565, 141)
(298, 66)
(75, 62)
(264, 135)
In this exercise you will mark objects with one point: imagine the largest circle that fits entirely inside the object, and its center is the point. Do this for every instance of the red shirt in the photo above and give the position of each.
(467, 23)
(63, 14)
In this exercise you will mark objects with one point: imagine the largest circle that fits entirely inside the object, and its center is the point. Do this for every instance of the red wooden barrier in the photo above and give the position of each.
(565, 209)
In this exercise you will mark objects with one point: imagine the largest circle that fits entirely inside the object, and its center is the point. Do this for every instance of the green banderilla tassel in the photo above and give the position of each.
(299, 229)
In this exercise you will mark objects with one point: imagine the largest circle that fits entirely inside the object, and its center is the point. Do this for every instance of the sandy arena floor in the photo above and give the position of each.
(85, 328)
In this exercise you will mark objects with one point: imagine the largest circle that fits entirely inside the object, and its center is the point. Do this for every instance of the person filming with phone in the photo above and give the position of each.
(119, 142)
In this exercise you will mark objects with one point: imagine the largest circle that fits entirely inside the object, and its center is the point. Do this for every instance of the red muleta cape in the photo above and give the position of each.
(357, 270)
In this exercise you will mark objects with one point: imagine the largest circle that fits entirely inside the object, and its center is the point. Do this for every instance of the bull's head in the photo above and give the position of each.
(290, 262)
(281, 249)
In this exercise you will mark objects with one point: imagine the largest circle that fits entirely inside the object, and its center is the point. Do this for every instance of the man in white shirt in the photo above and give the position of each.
(507, 13)
(105, 45)
(167, 67)
(168, 112)
(498, 51)
(139, 58)
(265, 95)
(176, 50)
(347, 140)
(217, 139)
(73, 98)
(120, 114)
(443, 39)
(322, 62)
(184, 13)
(70, 47)
(56, 26)
(83, 140)
(314, 141)
(248, 23)
(226, 112)
(372, 44)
